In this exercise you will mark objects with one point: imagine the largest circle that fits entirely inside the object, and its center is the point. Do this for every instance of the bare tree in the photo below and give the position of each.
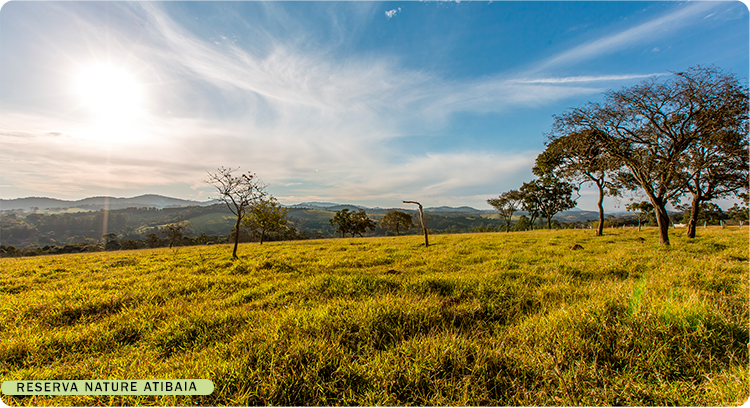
(421, 220)
(239, 193)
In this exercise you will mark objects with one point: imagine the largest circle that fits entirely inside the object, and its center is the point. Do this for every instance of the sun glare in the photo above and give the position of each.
(110, 93)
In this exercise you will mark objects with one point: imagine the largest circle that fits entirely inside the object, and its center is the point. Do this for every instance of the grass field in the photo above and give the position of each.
(475, 319)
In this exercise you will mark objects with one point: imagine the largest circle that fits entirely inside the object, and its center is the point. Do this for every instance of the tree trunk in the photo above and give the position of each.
(694, 208)
(262, 235)
(421, 220)
(662, 219)
(507, 225)
(549, 223)
(236, 236)
(600, 230)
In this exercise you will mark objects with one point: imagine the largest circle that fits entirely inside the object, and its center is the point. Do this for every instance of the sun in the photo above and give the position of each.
(109, 93)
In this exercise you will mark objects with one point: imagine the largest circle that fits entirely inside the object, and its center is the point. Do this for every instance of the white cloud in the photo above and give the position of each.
(391, 13)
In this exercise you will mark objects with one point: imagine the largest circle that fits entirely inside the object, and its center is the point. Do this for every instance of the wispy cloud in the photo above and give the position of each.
(577, 79)
(648, 31)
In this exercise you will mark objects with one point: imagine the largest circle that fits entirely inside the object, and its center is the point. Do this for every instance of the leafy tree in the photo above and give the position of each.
(740, 213)
(395, 219)
(651, 128)
(239, 193)
(343, 222)
(174, 232)
(349, 222)
(152, 240)
(643, 210)
(522, 224)
(506, 204)
(546, 196)
(579, 158)
(716, 167)
(361, 223)
(266, 215)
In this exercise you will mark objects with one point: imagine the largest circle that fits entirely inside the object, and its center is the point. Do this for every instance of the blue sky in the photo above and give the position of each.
(372, 103)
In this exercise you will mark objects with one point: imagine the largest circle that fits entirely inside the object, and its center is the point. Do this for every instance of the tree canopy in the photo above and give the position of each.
(506, 205)
(547, 196)
(265, 215)
(350, 222)
(395, 220)
(579, 158)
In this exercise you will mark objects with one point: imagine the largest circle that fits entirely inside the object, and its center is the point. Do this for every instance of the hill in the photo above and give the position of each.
(97, 203)
(514, 319)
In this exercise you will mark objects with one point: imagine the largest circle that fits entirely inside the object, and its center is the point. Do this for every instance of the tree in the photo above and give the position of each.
(361, 223)
(395, 219)
(642, 210)
(579, 157)
(152, 240)
(343, 222)
(740, 213)
(349, 222)
(523, 224)
(239, 193)
(111, 243)
(266, 215)
(651, 127)
(716, 167)
(421, 221)
(546, 197)
(174, 232)
(506, 204)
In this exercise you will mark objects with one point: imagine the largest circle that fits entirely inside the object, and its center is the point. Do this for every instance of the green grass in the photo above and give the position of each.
(475, 319)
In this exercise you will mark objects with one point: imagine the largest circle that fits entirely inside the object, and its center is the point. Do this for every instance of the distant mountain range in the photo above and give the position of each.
(159, 201)
(98, 203)
(353, 207)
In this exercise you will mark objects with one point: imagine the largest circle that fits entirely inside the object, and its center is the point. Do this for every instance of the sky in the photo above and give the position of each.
(370, 103)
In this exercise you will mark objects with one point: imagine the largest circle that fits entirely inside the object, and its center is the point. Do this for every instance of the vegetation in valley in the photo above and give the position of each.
(474, 319)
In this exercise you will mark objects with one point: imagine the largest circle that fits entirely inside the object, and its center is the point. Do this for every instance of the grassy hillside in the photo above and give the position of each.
(475, 319)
